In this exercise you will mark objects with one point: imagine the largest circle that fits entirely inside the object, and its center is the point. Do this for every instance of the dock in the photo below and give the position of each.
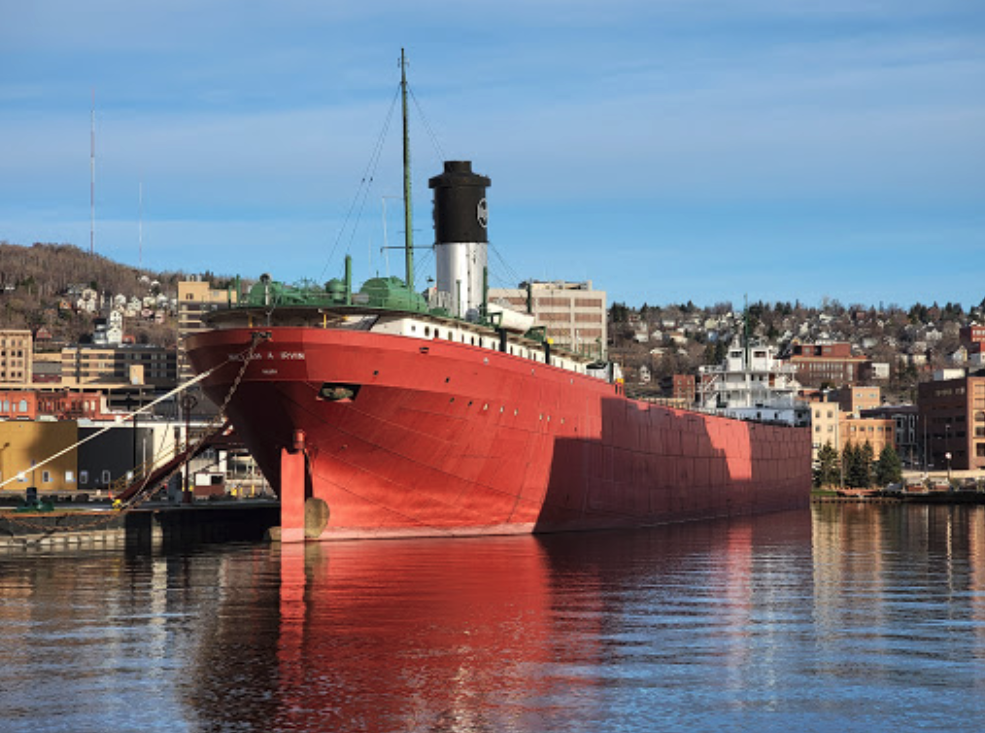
(150, 527)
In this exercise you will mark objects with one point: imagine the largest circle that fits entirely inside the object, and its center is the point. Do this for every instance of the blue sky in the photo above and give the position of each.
(669, 150)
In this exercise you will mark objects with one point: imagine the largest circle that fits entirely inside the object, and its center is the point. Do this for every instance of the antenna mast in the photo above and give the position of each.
(408, 216)
(140, 226)
(92, 175)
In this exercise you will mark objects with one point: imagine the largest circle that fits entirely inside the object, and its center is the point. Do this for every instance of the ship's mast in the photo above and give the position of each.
(408, 216)
(92, 176)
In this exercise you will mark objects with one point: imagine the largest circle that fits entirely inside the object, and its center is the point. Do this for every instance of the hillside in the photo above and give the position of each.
(35, 281)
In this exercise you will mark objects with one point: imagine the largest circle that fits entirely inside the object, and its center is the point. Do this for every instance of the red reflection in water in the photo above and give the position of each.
(420, 634)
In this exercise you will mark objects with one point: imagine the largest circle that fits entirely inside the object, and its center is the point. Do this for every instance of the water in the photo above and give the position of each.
(841, 618)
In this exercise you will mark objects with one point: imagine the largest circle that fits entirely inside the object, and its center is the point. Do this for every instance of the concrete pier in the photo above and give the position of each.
(150, 527)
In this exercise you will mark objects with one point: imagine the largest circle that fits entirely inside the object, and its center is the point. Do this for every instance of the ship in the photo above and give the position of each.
(751, 383)
(382, 412)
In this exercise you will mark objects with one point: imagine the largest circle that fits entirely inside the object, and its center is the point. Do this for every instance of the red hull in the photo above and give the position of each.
(445, 438)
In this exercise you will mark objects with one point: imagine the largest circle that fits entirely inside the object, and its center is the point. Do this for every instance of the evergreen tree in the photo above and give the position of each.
(828, 472)
(866, 455)
(849, 459)
(889, 469)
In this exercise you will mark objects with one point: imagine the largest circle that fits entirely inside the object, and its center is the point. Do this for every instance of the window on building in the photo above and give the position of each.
(70, 477)
(83, 477)
(107, 476)
(45, 477)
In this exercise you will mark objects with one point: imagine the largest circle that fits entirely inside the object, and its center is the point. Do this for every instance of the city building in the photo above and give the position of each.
(854, 399)
(24, 444)
(89, 365)
(16, 357)
(196, 299)
(825, 426)
(47, 368)
(973, 338)
(906, 437)
(31, 404)
(573, 313)
(685, 388)
(18, 404)
(834, 423)
(877, 432)
(952, 423)
(826, 364)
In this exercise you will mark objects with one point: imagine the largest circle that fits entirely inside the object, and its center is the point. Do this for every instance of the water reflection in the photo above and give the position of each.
(848, 616)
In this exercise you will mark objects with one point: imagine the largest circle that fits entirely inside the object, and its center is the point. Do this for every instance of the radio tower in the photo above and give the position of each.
(92, 176)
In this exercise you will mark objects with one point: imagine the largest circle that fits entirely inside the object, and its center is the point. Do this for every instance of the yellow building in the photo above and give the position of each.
(829, 424)
(825, 424)
(16, 357)
(196, 299)
(24, 444)
(88, 366)
(854, 399)
(878, 432)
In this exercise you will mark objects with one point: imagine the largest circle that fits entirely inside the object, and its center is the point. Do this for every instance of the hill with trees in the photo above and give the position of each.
(37, 283)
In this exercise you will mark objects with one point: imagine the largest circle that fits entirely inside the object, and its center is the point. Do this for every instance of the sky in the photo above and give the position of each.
(666, 150)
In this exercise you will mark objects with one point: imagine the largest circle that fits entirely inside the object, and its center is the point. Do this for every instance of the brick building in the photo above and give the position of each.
(904, 419)
(834, 425)
(952, 421)
(832, 364)
(973, 338)
(684, 388)
(30, 404)
(877, 432)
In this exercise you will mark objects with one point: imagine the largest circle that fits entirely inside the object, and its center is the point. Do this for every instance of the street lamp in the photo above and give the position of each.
(188, 403)
(947, 448)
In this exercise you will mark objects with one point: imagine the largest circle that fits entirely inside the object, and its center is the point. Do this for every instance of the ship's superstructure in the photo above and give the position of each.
(752, 384)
